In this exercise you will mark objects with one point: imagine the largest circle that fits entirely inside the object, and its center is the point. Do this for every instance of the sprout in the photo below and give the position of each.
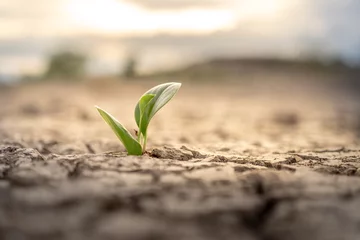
(149, 104)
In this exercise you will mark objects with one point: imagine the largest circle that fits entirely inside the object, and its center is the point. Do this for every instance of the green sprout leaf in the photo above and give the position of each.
(143, 102)
(149, 104)
(162, 94)
(132, 146)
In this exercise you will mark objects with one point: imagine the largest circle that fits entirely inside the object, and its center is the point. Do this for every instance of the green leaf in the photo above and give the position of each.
(144, 100)
(131, 145)
(163, 94)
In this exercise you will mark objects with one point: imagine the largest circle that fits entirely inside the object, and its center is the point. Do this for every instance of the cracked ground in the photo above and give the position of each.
(225, 161)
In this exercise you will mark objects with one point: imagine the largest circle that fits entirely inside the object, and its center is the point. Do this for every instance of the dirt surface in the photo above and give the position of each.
(225, 161)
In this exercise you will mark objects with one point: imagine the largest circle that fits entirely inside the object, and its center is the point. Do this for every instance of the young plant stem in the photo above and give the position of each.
(139, 137)
(142, 140)
(144, 143)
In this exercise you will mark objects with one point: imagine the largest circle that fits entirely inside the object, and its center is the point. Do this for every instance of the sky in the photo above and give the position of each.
(166, 34)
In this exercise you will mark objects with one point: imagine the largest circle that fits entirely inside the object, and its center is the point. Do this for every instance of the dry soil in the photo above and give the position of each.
(249, 160)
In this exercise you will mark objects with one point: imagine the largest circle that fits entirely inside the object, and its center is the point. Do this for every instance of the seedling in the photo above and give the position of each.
(149, 104)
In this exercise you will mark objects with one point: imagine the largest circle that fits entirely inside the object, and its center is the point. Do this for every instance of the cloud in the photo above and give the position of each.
(178, 4)
(19, 18)
(37, 8)
(336, 27)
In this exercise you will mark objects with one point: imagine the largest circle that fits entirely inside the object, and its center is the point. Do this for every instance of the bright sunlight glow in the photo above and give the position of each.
(260, 10)
(110, 16)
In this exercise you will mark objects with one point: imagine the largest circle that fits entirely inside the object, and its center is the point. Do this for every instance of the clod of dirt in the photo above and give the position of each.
(8, 149)
(248, 167)
(36, 173)
(224, 149)
(30, 109)
(196, 154)
(182, 154)
(15, 156)
(171, 153)
(13, 143)
(335, 170)
(286, 119)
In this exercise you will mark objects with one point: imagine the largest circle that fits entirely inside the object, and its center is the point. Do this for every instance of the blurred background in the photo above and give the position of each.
(263, 66)
(160, 35)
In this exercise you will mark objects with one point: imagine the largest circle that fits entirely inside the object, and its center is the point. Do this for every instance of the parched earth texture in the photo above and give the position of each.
(249, 160)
